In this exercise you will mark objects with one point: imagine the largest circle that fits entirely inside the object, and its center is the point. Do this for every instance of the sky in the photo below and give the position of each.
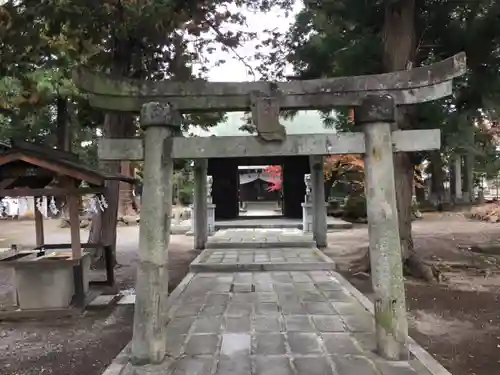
(234, 69)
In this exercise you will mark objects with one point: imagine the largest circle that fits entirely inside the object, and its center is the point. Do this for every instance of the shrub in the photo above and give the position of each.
(186, 195)
(355, 207)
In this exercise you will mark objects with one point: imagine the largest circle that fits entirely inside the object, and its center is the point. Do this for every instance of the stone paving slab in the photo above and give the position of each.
(285, 259)
(260, 238)
(276, 323)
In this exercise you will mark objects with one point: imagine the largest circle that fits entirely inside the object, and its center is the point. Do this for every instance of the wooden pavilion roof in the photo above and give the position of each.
(29, 165)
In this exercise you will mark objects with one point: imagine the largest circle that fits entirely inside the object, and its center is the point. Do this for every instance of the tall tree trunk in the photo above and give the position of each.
(63, 142)
(420, 194)
(437, 178)
(126, 205)
(64, 137)
(453, 192)
(469, 161)
(399, 54)
(116, 125)
(103, 229)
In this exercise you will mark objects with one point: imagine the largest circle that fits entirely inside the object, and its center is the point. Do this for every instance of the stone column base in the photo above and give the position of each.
(210, 220)
(307, 218)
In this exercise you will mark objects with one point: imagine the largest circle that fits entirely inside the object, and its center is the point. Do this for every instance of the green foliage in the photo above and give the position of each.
(355, 207)
(186, 195)
(147, 39)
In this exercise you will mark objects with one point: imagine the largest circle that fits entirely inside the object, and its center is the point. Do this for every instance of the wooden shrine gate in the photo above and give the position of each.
(161, 105)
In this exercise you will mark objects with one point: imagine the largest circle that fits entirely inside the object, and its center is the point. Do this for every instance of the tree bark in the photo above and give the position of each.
(420, 194)
(63, 131)
(469, 161)
(437, 178)
(63, 142)
(453, 192)
(126, 197)
(116, 125)
(399, 44)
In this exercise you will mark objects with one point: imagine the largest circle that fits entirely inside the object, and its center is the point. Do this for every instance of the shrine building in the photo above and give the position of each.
(231, 175)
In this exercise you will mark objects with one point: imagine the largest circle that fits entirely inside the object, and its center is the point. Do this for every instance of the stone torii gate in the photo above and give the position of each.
(161, 105)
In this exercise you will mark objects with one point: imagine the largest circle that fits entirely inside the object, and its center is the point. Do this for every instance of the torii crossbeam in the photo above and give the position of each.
(406, 87)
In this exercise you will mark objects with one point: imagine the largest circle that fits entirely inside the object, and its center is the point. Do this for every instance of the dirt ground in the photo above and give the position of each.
(458, 321)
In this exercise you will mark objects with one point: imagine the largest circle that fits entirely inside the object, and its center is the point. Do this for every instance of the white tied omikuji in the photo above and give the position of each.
(307, 181)
(97, 203)
(39, 205)
(101, 201)
(209, 188)
(93, 205)
(53, 207)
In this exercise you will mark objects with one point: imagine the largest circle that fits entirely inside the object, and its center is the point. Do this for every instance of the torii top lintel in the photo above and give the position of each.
(407, 87)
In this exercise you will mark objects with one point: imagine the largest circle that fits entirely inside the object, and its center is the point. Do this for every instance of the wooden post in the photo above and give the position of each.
(74, 222)
(200, 204)
(159, 122)
(318, 201)
(40, 240)
(376, 114)
(109, 218)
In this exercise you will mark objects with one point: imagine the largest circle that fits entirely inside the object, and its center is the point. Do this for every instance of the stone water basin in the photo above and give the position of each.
(45, 281)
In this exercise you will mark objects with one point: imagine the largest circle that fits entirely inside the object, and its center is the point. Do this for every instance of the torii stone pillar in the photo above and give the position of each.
(159, 122)
(318, 201)
(376, 114)
(200, 227)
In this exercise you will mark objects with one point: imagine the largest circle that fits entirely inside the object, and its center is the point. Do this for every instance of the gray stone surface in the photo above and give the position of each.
(102, 300)
(261, 259)
(192, 366)
(44, 287)
(313, 365)
(234, 366)
(276, 223)
(202, 344)
(341, 344)
(236, 345)
(253, 332)
(245, 238)
(303, 343)
(359, 365)
(269, 344)
(267, 365)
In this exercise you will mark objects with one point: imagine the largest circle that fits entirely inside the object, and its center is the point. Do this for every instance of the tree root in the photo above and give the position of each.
(413, 266)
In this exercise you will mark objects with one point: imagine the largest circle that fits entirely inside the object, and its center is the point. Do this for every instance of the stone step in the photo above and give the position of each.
(259, 245)
(277, 223)
(260, 239)
(275, 259)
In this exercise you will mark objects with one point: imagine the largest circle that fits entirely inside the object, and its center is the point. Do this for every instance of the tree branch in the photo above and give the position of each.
(240, 58)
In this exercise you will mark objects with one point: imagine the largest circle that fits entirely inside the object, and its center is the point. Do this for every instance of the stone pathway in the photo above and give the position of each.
(274, 322)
